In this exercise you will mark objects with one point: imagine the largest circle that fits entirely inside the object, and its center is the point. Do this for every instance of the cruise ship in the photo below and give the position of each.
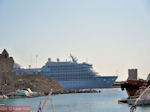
(74, 75)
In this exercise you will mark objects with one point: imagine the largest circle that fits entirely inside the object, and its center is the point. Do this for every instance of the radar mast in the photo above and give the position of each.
(74, 59)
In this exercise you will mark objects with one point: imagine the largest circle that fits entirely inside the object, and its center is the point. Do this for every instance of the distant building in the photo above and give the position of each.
(132, 74)
(25, 71)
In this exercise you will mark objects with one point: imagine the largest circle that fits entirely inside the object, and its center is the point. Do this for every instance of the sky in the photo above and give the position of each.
(112, 35)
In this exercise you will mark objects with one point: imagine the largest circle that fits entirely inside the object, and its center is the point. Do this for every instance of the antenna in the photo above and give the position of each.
(29, 66)
(117, 73)
(86, 60)
(36, 61)
(30, 61)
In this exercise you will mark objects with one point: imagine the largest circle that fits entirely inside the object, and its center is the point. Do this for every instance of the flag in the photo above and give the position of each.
(39, 108)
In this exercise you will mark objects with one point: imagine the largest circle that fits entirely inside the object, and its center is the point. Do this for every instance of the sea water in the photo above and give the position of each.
(105, 101)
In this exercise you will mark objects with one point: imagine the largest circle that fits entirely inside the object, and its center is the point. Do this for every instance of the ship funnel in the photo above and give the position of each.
(49, 59)
(58, 59)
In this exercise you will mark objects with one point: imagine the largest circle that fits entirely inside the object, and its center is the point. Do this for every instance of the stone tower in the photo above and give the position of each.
(7, 75)
(132, 74)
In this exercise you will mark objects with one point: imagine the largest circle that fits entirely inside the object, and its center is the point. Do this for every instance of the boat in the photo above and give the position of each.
(21, 93)
(141, 102)
(71, 74)
(142, 99)
(133, 84)
(137, 89)
(74, 75)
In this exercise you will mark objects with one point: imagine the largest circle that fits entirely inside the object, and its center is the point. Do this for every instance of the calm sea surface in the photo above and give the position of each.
(106, 101)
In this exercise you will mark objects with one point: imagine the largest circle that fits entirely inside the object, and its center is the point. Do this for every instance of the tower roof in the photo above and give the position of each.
(5, 53)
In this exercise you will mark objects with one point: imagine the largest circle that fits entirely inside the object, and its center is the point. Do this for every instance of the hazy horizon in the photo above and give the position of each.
(112, 35)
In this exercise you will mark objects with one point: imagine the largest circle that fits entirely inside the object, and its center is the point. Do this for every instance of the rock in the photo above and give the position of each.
(38, 83)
